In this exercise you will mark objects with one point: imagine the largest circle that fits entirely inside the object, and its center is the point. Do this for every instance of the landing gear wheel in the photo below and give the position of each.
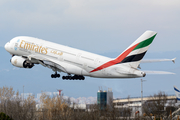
(52, 76)
(58, 75)
(75, 77)
(55, 75)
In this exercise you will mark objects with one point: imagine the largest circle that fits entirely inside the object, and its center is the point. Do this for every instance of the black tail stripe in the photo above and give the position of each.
(133, 58)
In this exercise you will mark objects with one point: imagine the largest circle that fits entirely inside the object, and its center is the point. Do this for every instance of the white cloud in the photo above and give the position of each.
(15, 68)
(9, 69)
(6, 70)
(84, 100)
(89, 13)
(88, 22)
(79, 100)
(55, 93)
(27, 13)
(26, 95)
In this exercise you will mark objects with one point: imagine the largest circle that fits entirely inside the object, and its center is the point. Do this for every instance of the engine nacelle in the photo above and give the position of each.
(21, 62)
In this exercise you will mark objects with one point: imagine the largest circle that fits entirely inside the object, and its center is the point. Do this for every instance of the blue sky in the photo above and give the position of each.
(101, 26)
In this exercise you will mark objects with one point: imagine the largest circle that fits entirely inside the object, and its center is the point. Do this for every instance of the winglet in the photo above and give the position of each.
(173, 60)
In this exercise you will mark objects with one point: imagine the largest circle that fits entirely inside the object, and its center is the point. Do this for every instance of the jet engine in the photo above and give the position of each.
(21, 62)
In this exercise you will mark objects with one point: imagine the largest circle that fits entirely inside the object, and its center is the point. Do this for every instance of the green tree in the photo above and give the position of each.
(3, 116)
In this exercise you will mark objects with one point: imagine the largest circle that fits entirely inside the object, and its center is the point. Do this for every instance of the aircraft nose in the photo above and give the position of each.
(6, 46)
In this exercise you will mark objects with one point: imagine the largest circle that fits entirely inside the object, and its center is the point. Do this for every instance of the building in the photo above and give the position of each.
(135, 103)
(104, 98)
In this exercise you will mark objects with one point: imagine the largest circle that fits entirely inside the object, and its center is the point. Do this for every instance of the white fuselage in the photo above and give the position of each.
(74, 61)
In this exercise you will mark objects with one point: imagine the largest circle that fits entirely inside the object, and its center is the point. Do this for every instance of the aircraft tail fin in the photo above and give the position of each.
(177, 92)
(133, 55)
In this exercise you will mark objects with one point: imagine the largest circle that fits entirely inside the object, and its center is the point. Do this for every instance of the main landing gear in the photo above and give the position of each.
(55, 75)
(68, 77)
(75, 77)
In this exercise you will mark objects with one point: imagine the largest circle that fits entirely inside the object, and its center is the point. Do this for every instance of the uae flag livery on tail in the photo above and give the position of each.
(133, 55)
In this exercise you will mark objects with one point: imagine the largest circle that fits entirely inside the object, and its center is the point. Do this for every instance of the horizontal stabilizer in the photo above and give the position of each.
(158, 72)
(173, 60)
(157, 60)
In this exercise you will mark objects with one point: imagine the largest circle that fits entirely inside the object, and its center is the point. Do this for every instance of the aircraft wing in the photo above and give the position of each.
(157, 60)
(53, 64)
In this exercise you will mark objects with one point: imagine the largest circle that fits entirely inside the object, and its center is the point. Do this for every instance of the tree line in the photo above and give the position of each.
(14, 107)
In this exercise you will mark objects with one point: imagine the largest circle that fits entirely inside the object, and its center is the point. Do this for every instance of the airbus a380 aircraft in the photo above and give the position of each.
(27, 51)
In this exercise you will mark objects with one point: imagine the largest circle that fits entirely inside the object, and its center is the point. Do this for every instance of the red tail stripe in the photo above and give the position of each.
(117, 60)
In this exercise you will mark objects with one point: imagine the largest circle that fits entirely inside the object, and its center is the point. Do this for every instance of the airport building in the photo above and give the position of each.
(135, 103)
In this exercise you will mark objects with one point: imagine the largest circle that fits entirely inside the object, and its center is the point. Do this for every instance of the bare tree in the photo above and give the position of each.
(15, 107)
(58, 108)
(156, 104)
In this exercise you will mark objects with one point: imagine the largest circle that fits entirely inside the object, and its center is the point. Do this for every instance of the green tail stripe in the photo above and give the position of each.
(145, 43)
